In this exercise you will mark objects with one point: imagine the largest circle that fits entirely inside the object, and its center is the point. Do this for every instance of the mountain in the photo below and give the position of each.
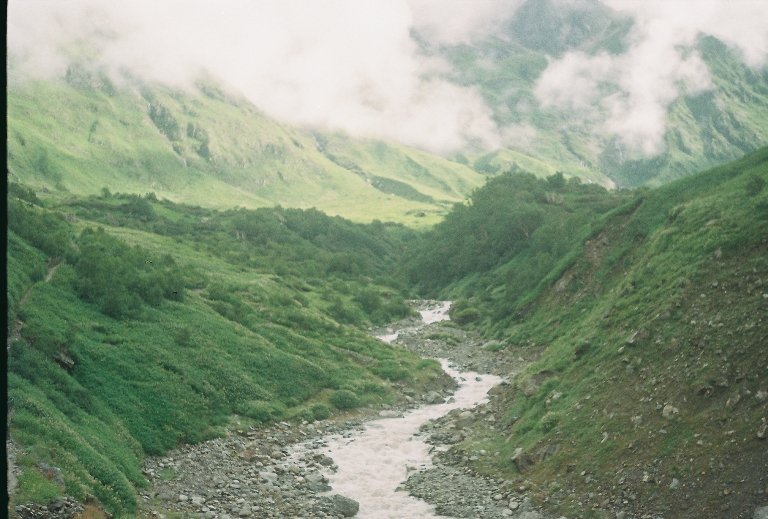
(702, 128)
(213, 148)
(647, 320)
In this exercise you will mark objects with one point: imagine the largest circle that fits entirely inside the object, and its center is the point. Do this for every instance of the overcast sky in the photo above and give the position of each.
(352, 64)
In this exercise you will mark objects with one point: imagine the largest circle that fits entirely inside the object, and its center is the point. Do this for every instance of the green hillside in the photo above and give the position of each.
(702, 129)
(208, 147)
(134, 325)
(651, 318)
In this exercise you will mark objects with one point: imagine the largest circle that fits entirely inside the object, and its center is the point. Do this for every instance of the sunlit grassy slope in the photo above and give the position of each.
(208, 147)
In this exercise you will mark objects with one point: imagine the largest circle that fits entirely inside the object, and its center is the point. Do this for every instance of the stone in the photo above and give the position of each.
(433, 397)
(674, 484)
(197, 500)
(733, 401)
(271, 477)
(621, 515)
(761, 513)
(183, 498)
(669, 411)
(762, 432)
(506, 512)
(345, 506)
(244, 511)
(513, 505)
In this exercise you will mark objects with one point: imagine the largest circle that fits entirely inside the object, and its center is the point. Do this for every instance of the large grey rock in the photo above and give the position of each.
(761, 513)
(316, 482)
(268, 476)
(344, 505)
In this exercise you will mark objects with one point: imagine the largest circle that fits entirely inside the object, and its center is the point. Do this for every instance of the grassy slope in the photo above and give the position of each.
(664, 305)
(175, 372)
(207, 147)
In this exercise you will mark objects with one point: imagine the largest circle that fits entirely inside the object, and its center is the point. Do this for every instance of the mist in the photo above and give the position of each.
(337, 64)
(635, 88)
(354, 66)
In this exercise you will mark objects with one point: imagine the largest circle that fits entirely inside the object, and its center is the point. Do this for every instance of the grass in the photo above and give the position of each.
(70, 139)
(242, 340)
(671, 311)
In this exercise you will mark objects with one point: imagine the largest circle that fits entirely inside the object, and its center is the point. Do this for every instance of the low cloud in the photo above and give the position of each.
(632, 91)
(339, 64)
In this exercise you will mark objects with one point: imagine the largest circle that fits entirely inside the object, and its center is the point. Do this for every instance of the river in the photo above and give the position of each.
(372, 463)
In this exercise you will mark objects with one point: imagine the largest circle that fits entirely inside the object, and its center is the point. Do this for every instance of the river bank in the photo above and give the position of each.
(290, 470)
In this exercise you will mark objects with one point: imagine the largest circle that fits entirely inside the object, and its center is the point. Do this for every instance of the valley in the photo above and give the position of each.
(384, 260)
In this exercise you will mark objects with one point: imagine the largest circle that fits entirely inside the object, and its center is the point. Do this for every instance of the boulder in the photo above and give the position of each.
(345, 506)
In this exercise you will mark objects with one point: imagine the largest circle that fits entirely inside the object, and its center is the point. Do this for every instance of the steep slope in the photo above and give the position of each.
(650, 395)
(212, 148)
(702, 129)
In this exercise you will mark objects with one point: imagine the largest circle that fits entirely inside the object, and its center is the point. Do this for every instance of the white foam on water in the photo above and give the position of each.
(435, 314)
(374, 462)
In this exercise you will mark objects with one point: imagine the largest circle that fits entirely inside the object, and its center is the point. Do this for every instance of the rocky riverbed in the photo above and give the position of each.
(284, 470)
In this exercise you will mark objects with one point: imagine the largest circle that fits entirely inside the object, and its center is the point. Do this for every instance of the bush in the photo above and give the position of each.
(467, 316)
(320, 411)
(258, 410)
(390, 369)
(549, 421)
(344, 399)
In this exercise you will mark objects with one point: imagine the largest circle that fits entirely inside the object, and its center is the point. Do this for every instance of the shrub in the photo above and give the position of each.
(754, 186)
(344, 399)
(258, 410)
(549, 421)
(320, 411)
(390, 369)
(467, 316)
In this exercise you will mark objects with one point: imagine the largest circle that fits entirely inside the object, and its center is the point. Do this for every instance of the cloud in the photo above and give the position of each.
(451, 22)
(341, 64)
(634, 89)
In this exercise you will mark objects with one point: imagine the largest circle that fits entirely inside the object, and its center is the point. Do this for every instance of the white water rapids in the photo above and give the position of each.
(374, 462)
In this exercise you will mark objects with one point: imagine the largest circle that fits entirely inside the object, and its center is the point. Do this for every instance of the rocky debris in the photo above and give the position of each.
(761, 513)
(64, 508)
(249, 475)
(458, 492)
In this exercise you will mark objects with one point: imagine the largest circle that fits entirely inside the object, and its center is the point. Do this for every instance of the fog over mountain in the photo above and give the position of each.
(356, 66)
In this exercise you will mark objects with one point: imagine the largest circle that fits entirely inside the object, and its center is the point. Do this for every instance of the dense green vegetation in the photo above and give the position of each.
(502, 246)
(662, 303)
(135, 324)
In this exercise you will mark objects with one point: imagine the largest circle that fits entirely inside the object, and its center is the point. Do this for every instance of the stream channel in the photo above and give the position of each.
(373, 463)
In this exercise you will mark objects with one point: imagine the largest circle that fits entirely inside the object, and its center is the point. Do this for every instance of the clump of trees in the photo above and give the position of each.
(120, 278)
